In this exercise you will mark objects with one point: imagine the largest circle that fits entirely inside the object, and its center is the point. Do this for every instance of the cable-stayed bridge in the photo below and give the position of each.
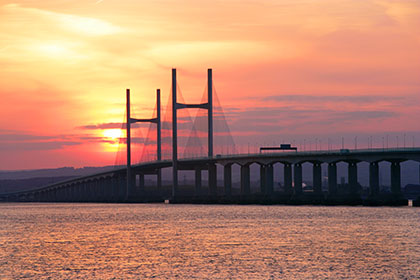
(127, 183)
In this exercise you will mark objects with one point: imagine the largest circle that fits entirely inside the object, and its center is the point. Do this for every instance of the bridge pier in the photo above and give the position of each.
(287, 167)
(374, 178)
(122, 190)
(64, 194)
(395, 177)
(332, 178)
(227, 179)
(198, 181)
(115, 188)
(212, 177)
(71, 193)
(263, 178)
(58, 195)
(317, 178)
(142, 186)
(297, 178)
(91, 190)
(107, 189)
(80, 192)
(87, 191)
(245, 180)
(101, 189)
(352, 175)
(98, 190)
(269, 179)
(43, 196)
(266, 179)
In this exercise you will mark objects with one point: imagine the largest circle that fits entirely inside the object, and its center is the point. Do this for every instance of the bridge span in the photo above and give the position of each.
(127, 184)
(111, 186)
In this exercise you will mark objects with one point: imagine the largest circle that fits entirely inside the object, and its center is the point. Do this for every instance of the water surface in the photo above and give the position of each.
(137, 241)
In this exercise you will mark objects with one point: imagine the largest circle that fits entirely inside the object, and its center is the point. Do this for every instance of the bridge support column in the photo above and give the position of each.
(263, 179)
(62, 194)
(287, 178)
(58, 195)
(86, 191)
(245, 180)
(352, 174)
(122, 194)
(141, 184)
(75, 195)
(45, 195)
(212, 179)
(159, 180)
(395, 177)
(80, 192)
(71, 191)
(227, 179)
(374, 178)
(107, 185)
(93, 191)
(102, 189)
(317, 177)
(68, 194)
(99, 190)
(269, 179)
(332, 178)
(114, 188)
(198, 181)
(297, 178)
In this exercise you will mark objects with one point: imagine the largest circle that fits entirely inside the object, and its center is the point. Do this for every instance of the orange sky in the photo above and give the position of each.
(284, 70)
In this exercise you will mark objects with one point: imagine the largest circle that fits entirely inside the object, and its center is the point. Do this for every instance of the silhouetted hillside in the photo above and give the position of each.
(56, 172)
(15, 185)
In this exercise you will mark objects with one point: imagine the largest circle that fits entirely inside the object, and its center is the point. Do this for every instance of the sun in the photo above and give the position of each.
(112, 134)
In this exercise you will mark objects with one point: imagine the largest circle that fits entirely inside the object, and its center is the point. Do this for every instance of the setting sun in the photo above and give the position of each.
(113, 134)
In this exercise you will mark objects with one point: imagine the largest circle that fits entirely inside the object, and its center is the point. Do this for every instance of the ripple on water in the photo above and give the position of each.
(131, 241)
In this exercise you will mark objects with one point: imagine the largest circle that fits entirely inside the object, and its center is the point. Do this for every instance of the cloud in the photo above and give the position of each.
(357, 99)
(111, 125)
(78, 24)
(23, 137)
(37, 146)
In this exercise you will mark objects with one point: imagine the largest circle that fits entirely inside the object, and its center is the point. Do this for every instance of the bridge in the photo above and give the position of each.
(127, 184)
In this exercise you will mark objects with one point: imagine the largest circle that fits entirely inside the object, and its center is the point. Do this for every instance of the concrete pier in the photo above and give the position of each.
(395, 177)
(245, 180)
(352, 177)
(270, 179)
(373, 179)
(142, 186)
(297, 178)
(332, 178)
(287, 178)
(212, 177)
(263, 178)
(317, 177)
(227, 179)
(197, 177)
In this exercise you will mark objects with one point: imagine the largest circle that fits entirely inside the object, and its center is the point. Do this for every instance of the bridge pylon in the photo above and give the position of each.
(131, 120)
(206, 106)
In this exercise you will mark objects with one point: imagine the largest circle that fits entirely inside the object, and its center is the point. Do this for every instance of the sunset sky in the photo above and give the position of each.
(284, 70)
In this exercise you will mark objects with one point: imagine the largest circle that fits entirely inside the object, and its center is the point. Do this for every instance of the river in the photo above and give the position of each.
(163, 241)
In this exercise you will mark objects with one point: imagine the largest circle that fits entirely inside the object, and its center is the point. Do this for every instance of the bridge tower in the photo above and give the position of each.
(207, 106)
(129, 121)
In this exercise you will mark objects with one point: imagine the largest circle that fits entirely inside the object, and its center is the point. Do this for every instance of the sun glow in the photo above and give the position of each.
(111, 139)
(112, 134)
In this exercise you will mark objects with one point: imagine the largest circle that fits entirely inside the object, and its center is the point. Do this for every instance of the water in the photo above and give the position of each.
(138, 241)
